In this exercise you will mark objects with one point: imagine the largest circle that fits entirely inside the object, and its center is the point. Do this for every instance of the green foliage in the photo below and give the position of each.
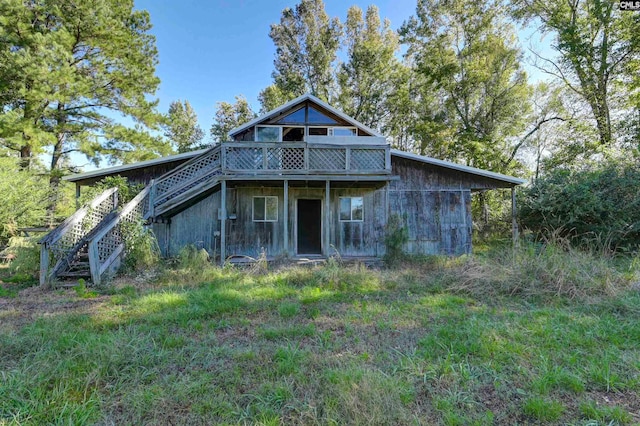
(475, 95)
(598, 50)
(366, 78)
(396, 236)
(192, 258)
(229, 116)
(382, 347)
(23, 198)
(597, 206)
(181, 127)
(126, 191)
(538, 272)
(543, 409)
(141, 245)
(63, 67)
(307, 42)
(82, 292)
(26, 257)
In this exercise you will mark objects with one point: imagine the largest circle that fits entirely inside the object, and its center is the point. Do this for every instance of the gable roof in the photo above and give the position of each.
(394, 153)
(459, 167)
(299, 100)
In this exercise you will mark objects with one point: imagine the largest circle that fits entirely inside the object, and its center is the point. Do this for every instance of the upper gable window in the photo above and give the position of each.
(296, 117)
(345, 131)
(316, 117)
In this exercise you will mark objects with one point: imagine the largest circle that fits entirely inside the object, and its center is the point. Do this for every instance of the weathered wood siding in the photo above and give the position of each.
(418, 175)
(246, 237)
(435, 204)
(364, 238)
(196, 225)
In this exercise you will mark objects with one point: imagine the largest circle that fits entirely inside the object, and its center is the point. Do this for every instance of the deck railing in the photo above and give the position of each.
(304, 158)
(59, 246)
(108, 243)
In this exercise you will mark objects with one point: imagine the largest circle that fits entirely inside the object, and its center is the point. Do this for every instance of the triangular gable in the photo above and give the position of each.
(301, 100)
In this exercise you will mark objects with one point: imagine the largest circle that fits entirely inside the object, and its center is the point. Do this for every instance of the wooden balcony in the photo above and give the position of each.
(302, 158)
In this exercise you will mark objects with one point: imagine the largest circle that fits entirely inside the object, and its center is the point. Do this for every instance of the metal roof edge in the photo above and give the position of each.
(459, 167)
(124, 167)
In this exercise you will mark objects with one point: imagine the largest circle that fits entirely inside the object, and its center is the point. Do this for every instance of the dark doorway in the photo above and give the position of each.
(309, 227)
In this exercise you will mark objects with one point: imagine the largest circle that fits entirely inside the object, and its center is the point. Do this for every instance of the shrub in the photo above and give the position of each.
(598, 206)
(26, 257)
(142, 247)
(396, 236)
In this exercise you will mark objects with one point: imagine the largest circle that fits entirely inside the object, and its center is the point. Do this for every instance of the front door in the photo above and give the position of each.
(309, 226)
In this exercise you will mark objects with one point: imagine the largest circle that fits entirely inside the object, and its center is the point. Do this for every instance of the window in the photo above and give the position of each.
(268, 134)
(316, 117)
(293, 118)
(344, 131)
(351, 209)
(265, 209)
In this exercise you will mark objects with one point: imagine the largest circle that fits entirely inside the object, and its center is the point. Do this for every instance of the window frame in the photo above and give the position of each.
(331, 131)
(253, 208)
(269, 125)
(351, 219)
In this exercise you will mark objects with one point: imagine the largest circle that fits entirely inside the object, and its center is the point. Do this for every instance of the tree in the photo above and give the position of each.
(366, 79)
(182, 127)
(229, 116)
(598, 48)
(469, 59)
(306, 43)
(66, 69)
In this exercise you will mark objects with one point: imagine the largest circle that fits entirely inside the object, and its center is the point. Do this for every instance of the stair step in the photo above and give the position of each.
(74, 274)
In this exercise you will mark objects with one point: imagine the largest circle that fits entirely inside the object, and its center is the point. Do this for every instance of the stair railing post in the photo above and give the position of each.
(44, 264)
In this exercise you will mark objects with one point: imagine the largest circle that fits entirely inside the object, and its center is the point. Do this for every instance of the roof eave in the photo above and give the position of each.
(459, 167)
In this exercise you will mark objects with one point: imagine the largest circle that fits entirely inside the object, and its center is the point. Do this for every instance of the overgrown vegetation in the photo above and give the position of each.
(396, 236)
(594, 207)
(501, 338)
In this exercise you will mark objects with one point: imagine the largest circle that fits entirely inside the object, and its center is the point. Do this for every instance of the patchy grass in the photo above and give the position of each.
(426, 344)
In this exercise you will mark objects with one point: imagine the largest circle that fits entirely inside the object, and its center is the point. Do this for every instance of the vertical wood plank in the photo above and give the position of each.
(44, 265)
(77, 195)
(285, 218)
(327, 209)
(94, 263)
(223, 221)
(514, 222)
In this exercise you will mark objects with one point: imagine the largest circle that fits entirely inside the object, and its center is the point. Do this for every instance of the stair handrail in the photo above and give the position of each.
(74, 230)
(212, 151)
(100, 260)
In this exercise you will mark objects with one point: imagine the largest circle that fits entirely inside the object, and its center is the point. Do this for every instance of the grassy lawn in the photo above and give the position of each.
(321, 345)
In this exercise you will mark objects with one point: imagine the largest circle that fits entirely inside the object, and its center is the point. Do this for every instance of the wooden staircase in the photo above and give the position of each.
(90, 243)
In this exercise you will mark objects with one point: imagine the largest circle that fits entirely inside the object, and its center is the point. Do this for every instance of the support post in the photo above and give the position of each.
(327, 217)
(286, 217)
(77, 195)
(514, 222)
(44, 264)
(223, 222)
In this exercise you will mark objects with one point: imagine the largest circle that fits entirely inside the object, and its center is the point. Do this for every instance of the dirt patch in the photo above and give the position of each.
(33, 303)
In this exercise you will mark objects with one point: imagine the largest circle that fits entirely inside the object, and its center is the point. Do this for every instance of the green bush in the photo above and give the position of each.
(595, 207)
(396, 236)
(26, 258)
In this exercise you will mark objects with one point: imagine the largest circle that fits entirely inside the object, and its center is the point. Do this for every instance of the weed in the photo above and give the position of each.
(543, 409)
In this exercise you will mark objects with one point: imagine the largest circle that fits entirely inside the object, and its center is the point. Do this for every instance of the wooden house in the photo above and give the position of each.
(301, 180)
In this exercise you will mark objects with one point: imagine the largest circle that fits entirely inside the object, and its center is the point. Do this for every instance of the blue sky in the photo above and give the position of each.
(211, 51)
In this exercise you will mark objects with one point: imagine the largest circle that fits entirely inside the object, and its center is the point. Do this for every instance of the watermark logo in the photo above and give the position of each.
(631, 5)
